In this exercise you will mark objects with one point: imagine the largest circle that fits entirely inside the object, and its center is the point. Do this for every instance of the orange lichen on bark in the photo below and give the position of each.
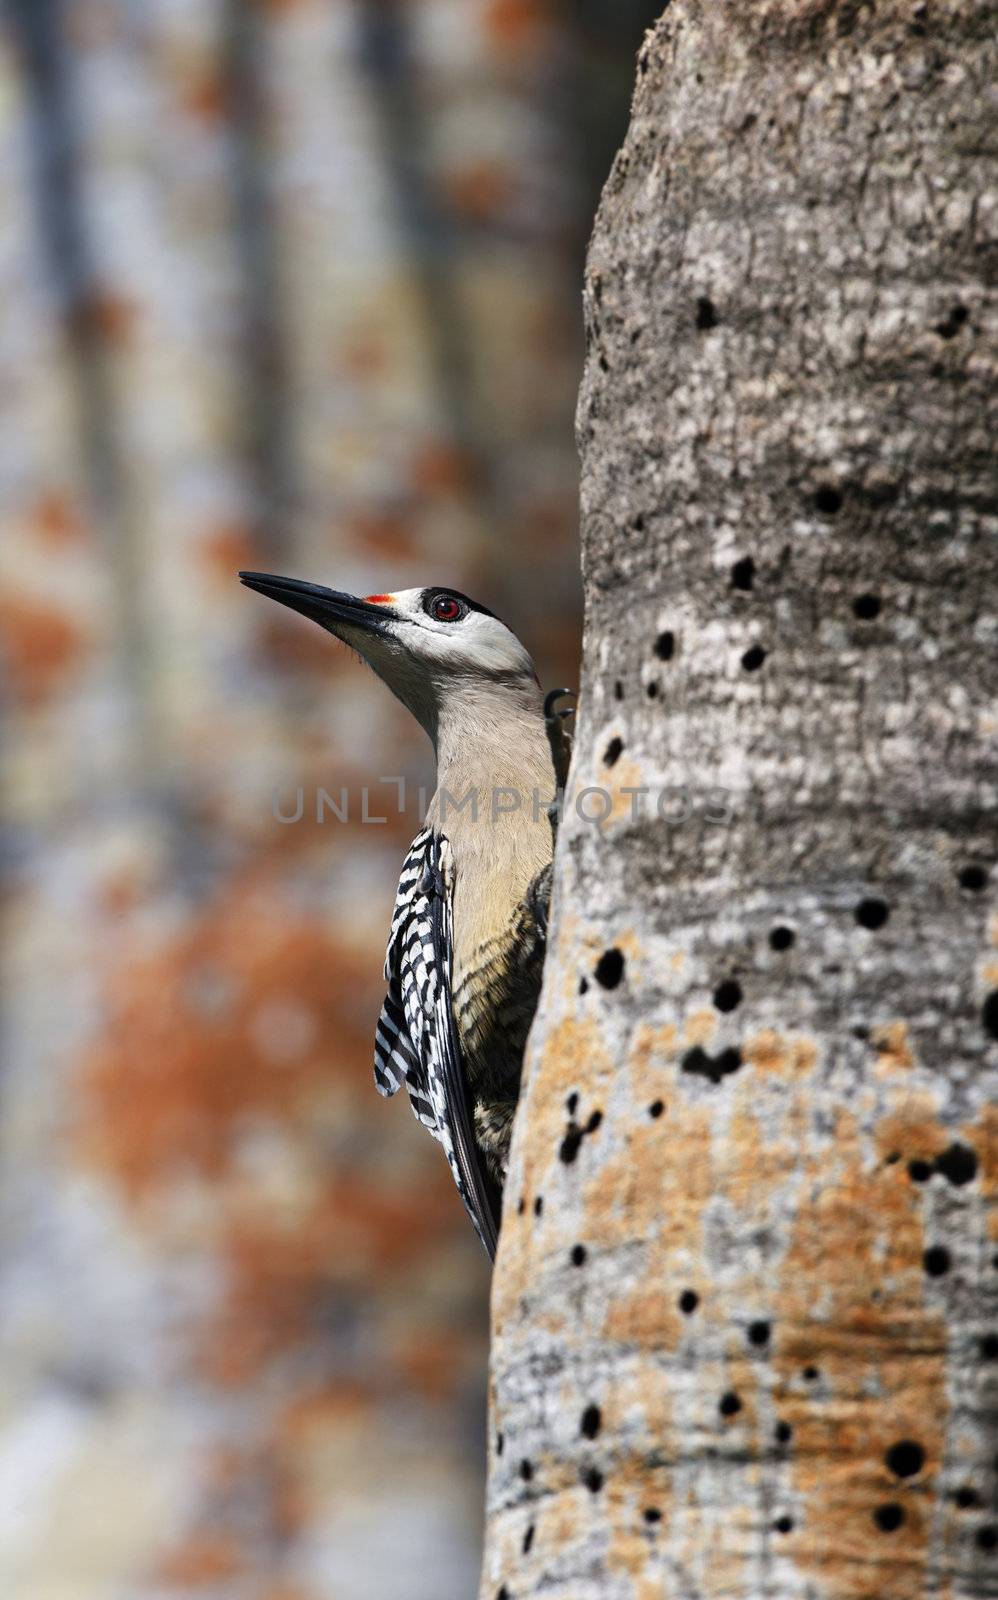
(628, 943)
(653, 1190)
(643, 1391)
(789, 1057)
(628, 1549)
(716, 1547)
(561, 1522)
(983, 1136)
(893, 1049)
(859, 1367)
(574, 1055)
(652, 1049)
(639, 1318)
(758, 1157)
(700, 1027)
(912, 1132)
(555, 1522)
(626, 774)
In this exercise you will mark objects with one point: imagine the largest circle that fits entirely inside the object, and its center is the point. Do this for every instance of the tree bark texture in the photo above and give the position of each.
(745, 1339)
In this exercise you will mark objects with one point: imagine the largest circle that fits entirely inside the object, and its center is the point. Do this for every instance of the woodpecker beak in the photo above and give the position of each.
(328, 607)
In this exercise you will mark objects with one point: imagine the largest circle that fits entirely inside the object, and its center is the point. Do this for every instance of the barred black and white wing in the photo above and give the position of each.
(395, 1060)
(416, 1041)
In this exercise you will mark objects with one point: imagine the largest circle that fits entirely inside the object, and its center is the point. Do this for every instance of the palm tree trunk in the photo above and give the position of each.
(745, 1331)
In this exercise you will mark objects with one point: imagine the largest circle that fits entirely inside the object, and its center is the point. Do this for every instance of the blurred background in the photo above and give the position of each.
(292, 285)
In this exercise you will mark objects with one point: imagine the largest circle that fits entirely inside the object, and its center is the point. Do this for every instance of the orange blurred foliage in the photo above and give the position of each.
(227, 547)
(385, 532)
(478, 191)
(237, 1014)
(440, 468)
(57, 519)
(104, 316)
(206, 97)
(41, 647)
(513, 24)
(200, 1562)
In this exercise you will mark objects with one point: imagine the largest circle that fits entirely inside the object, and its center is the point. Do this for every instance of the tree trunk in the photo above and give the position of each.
(744, 1309)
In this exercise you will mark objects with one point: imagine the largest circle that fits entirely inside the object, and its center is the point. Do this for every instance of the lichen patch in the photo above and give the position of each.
(700, 1027)
(624, 807)
(783, 1057)
(860, 1365)
(890, 1040)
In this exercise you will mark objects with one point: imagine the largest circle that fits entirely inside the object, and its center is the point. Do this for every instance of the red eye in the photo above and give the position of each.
(445, 609)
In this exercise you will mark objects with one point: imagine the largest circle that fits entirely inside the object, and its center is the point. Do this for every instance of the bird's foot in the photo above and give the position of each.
(493, 1131)
(538, 899)
(560, 741)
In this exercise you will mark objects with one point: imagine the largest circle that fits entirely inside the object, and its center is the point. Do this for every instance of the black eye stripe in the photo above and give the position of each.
(430, 595)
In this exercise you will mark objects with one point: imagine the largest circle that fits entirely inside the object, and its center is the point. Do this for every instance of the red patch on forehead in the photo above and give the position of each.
(379, 599)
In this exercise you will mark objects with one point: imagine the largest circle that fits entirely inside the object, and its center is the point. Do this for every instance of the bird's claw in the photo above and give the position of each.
(550, 699)
(559, 739)
(539, 899)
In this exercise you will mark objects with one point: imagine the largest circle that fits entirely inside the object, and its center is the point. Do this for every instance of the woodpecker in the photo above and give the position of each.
(466, 946)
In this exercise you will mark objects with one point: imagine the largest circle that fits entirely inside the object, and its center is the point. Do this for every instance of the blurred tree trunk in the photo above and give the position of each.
(744, 1310)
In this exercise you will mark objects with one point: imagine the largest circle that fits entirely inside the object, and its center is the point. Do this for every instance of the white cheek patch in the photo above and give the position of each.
(478, 644)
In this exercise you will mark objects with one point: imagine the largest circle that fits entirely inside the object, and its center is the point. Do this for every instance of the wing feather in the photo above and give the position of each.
(416, 1041)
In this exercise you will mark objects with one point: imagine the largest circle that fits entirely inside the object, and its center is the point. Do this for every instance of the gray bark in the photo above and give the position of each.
(744, 1306)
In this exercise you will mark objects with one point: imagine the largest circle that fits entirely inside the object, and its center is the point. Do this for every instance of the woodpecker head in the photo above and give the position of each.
(430, 646)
